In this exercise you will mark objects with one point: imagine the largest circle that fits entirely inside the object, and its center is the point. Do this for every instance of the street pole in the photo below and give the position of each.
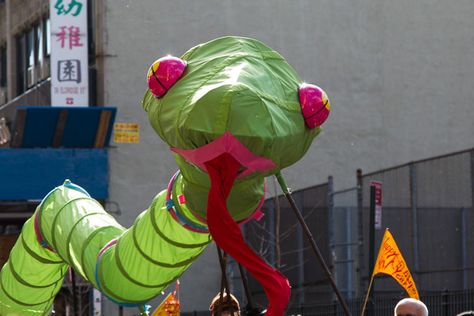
(370, 308)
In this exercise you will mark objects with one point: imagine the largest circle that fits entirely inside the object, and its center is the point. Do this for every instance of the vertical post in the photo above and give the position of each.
(350, 261)
(360, 227)
(470, 214)
(312, 242)
(332, 242)
(271, 230)
(276, 200)
(300, 247)
(414, 214)
(464, 248)
(74, 293)
(371, 245)
(248, 295)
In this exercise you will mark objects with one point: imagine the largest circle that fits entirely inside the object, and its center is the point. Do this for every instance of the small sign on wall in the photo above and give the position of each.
(127, 133)
(378, 203)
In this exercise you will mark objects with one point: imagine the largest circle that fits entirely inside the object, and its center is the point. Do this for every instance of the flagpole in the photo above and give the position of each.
(367, 295)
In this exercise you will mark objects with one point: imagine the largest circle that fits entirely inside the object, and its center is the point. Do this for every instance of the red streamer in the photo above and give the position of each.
(223, 171)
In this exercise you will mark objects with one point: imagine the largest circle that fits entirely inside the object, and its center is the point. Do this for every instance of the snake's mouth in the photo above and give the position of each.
(227, 143)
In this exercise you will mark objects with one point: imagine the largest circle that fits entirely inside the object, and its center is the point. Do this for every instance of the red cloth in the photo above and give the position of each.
(223, 171)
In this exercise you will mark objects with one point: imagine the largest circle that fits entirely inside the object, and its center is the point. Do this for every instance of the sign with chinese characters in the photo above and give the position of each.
(127, 133)
(69, 60)
(378, 203)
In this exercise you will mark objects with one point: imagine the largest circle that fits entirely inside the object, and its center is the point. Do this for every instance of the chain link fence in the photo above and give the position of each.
(426, 204)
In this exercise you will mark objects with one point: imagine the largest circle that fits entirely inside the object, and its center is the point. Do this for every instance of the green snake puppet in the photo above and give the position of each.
(233, 112)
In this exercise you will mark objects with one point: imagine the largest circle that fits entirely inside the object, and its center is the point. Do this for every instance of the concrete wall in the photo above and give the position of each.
(399, 75)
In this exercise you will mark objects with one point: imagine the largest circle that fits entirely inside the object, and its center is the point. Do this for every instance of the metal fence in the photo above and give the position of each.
(428, 206)
(279, 238)
(439, 303)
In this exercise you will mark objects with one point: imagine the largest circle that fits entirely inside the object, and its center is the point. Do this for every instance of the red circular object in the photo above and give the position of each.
(164, 73)
(314, 105)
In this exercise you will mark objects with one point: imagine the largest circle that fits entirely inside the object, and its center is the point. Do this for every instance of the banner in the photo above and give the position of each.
(169, 307)
(69, 60)
(390, 261)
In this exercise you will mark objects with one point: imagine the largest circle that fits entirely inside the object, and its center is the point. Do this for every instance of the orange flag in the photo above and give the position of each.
(390, 261)
(169, 307)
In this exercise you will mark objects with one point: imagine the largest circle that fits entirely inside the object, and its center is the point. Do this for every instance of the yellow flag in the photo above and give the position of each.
(169, 307)
(390, 261)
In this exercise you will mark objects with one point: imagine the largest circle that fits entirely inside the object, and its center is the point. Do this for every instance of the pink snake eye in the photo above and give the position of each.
(314, 105)
(164, 73)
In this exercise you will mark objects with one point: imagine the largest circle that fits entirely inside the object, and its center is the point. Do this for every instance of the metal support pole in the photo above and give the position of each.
(414, 213)
(310, 238)
(332, 241)
(350, 261)
(74, 293)
(250, 305)
(360, 227)
(370, 308)
(464, 248)
(300, 247)
(223, 261)
(272, 231)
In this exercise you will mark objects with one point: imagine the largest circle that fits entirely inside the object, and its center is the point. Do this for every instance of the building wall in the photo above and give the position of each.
(25, 12)
(399, 75)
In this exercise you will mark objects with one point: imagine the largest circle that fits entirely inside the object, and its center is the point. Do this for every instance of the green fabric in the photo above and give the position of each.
(154, 252)
(230, 84)
(239, 85)
(31, 277)
(243, 200)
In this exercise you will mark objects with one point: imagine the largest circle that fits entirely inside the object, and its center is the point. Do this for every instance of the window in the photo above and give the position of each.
(47, 37)
(21, 63)
(33, 50)
(3, 67)
(30, 57)
(38, 44)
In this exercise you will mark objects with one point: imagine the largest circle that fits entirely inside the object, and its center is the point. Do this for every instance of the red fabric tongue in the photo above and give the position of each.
(223, 171)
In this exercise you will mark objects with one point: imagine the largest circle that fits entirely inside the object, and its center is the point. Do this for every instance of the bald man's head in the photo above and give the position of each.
(410, 307)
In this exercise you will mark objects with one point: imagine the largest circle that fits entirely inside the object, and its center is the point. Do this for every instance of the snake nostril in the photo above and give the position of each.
(164, 73)
(314, 105)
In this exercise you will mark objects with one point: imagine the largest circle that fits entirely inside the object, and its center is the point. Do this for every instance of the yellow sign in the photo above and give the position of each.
(127, 133)
(390, 261)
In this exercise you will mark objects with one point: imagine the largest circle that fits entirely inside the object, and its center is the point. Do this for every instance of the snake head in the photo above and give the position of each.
(240, 89)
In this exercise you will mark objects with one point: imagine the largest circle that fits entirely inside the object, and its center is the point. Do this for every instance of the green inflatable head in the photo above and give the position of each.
(234, 91)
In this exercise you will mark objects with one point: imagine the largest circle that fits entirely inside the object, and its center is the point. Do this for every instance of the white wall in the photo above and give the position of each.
(400, 75)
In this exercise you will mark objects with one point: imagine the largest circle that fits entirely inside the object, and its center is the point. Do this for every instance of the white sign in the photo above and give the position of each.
(69, 60)
(378, 203)
(96, 302)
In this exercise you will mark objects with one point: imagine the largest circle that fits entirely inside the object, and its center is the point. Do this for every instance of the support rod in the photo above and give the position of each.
(312, 242)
